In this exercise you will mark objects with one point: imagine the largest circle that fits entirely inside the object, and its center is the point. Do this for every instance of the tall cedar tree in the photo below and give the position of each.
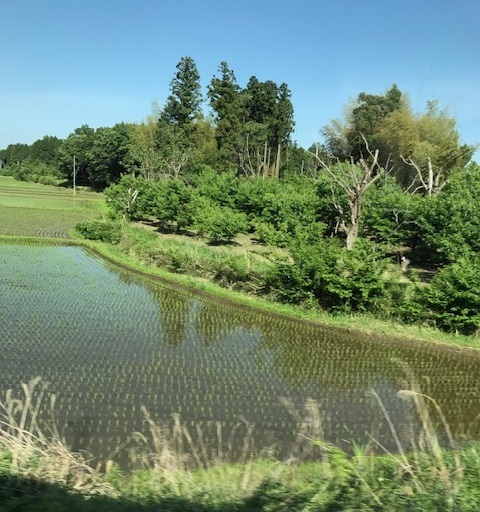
(269, 104)
(268, 122)
(176, 129)
(283, 122)
(226, 103)
(183, 104)
(260, 105)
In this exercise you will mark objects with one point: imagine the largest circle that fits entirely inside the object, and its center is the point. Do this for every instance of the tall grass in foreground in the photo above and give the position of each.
(426, 477)
(36, 451)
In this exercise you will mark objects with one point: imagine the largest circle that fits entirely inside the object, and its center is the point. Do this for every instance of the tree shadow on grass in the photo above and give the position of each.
(28, 495)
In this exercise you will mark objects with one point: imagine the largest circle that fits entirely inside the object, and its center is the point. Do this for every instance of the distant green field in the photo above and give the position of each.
(30, 209)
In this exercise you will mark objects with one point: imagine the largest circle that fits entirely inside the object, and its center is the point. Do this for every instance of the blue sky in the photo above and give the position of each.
(65, 63)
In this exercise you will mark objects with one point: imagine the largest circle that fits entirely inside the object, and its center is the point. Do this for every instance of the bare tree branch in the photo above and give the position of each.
(354, 179)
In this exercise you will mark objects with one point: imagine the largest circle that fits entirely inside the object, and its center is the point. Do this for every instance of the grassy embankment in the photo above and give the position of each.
(38, 473)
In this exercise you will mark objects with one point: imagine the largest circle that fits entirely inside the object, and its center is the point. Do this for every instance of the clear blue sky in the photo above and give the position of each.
(65, 63)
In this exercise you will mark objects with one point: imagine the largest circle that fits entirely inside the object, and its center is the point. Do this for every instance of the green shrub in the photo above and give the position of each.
(218, 223)
(332, 277)
(451, 301)
(37, 172)
(389, 214)
(270, 234)
(100, 229)
(448, 225)
(173, 204)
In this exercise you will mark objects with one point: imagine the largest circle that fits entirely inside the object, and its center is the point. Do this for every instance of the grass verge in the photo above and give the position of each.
(37, 471)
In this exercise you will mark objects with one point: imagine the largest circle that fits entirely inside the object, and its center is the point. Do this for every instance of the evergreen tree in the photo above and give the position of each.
(226, 103)
(268, 104)
(176, 127)
(366, 118)
(17, 153)
(107, 156)
(268, 122)
(283, 121)
(261, 103)
(183, 104)
(45, 150)
(350, 139)
(77, 145)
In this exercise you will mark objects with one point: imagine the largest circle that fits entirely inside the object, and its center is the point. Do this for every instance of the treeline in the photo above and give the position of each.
(248, 129)
(381, 217)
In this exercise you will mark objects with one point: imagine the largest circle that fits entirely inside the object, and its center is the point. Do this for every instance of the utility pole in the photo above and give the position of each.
(74, 172)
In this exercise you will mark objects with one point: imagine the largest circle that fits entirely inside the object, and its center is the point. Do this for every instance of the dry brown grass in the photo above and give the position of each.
(39, 452)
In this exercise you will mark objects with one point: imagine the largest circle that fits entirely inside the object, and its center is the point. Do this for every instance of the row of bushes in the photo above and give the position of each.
(36, 172)
(437, 230)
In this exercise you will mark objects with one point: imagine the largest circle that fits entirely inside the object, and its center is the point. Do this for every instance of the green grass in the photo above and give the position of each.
(30, 209)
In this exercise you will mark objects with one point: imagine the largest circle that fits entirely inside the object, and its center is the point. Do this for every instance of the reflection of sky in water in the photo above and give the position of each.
(110, 342)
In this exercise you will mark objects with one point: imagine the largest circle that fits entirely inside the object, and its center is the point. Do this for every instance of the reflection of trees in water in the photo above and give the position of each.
(174, 350)
(321, 362)
(337, 368)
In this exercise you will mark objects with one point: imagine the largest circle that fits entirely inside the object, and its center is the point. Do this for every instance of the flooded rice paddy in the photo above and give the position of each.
(108, 342)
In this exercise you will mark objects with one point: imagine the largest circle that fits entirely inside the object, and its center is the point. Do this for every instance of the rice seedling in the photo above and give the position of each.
(42, 453)
(28, 209)
(110, 343)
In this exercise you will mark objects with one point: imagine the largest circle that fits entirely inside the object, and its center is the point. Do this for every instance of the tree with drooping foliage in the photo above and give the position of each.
(424, 148)
(359, 132)
(143, 159)
(173, 149)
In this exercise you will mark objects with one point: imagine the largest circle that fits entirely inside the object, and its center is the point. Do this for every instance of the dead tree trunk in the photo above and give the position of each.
(432, 184)
(353, 179)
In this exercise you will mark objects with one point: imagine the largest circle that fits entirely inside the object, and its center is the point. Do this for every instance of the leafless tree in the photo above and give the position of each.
(432, 184)
(353, 178)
